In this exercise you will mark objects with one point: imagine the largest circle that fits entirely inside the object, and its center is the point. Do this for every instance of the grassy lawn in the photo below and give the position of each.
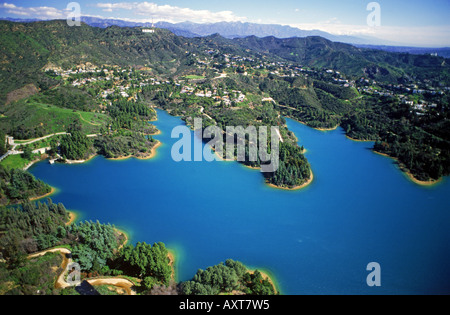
(14, 161)
(89, 121)
(194, 77)
(49, 119)
(22, 141)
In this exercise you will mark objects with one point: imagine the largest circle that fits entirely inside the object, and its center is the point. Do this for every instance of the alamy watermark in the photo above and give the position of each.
(236, 140)
(374, 18)
(374, 277)
(74, 275)
(74, 17)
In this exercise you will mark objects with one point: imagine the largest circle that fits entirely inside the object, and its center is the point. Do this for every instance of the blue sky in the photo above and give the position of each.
(413, 22)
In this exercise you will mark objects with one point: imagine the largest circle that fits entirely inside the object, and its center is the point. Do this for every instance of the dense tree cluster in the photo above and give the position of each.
(127, 114)
(308, 103)
(425, 156)
(31, 227)
(226, 278)
(32, 277)
(3, 148)
(294, 169)
(134, 109)
(17, 185)
(147, 262)
(420, 142)
(94, 244)
(76, 146)
(124, 144)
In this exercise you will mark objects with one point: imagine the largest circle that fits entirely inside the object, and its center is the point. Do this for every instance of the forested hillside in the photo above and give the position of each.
(319, 52)
(26, 49)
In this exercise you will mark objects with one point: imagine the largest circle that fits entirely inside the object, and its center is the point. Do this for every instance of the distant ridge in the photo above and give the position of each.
(241, 30)
(443, 52)
(228, 30)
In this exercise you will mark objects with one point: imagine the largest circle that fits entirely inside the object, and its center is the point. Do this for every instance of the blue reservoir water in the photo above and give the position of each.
(319, 240)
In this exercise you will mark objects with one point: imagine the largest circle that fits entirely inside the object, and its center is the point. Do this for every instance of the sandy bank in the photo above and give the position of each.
(357, 140)
(409, 175)
(53, 190)
(311, 179)
(318, 129)
(121, 283)
(327, 129)
(148, 156)
(80, 161)
(265, 276)
(125, 235)
(171, 256)
(72, 218)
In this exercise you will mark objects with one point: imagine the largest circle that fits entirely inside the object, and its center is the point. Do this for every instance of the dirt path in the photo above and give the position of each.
(62, 284)
(117, 282)
(90, 123)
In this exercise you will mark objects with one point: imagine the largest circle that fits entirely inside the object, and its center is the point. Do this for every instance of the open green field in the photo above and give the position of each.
(14, 162)
(194, 77)
(34, 120)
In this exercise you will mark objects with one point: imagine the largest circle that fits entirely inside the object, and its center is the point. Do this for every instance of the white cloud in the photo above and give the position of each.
(170, 13)
(423, 36)
(35, 12)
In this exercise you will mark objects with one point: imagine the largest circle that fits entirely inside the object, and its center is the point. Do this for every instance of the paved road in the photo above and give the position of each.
(39, 139)
(13, 150)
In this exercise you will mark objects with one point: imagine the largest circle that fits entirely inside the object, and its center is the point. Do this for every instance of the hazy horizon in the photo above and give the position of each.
(406, 23)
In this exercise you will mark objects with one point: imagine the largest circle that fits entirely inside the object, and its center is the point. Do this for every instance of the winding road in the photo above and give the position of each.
(67, 264)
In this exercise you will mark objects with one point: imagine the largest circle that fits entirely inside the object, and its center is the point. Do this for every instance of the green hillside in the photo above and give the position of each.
(28, 120)
(376, 64)
(26, 49)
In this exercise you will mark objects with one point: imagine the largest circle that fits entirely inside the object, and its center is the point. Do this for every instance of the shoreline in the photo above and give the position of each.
(221, 158)
(125, 235)
(327, 129)
(318, 129)
(153, 151)
(306, 184)
(421, 182)
(265, 276)
(150, 156)
(254, 168)
(29, 165)
(171, 256)
(357, 140)
(409, 175)
(52, 191)
(405, 171)
(72, 218)
(74, 162)
(159, 132)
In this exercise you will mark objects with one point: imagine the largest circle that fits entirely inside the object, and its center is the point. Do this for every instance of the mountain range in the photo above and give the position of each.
(232, 30)
(226, 29)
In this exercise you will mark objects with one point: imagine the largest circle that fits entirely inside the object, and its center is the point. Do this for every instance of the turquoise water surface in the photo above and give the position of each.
(319, 240)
